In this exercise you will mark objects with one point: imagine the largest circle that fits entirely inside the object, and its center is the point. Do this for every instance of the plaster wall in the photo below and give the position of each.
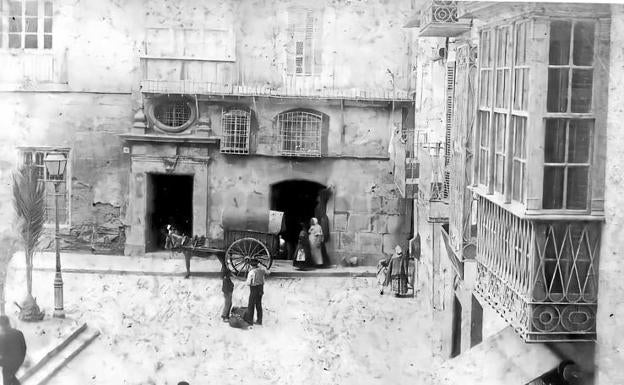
(376, 58)
(610, 317)
(430, 88)
(88, 124)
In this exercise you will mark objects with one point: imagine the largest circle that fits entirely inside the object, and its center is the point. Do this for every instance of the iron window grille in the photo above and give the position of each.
(35, 157)
(236, 126)
(172, 115)
(300, 133)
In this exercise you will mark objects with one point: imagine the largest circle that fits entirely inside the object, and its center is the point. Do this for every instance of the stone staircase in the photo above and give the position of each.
(57, 358)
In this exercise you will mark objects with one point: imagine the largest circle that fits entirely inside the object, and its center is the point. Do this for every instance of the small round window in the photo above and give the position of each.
(173, 115)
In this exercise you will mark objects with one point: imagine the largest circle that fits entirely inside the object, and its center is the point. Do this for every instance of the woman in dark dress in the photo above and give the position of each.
(302, 252)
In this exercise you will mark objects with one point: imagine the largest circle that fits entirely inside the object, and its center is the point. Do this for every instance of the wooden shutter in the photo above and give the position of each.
(448, 121)
(318, 46)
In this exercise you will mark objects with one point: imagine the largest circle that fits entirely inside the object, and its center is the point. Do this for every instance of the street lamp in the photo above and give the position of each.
(55, 164)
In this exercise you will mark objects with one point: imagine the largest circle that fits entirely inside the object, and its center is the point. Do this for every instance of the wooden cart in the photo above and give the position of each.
(243, 240)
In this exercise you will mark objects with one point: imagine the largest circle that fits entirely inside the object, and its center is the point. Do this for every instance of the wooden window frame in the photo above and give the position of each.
(49, 222)
(568, 116)
(304, 56)
(42, 35)
(533, 107)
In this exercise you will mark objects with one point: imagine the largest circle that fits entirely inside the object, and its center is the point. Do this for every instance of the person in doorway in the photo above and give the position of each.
(302, 253)
(397, 274)
(12, 351)
(316, 242)
(227, 288)
(255, 281)
(382, 274)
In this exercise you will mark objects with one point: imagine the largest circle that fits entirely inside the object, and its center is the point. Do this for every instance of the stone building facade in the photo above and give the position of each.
(215, 108)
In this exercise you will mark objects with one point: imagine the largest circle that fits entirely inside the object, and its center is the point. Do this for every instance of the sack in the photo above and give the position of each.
(300, 255)
(238, 322)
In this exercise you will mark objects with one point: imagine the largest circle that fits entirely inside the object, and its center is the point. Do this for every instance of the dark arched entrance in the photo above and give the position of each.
(297, 199)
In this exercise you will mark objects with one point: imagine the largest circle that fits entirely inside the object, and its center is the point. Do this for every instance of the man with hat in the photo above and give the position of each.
(397, 275)
(12, 351)
(255, 281)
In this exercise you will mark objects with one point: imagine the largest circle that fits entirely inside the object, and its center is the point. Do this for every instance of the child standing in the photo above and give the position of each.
(255, 280)
(227, 288)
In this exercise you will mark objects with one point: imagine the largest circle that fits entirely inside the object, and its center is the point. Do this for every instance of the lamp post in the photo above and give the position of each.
(55, 164)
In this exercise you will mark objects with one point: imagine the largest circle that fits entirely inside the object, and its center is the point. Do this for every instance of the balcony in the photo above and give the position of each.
(203, 61)
(539, 275)
(225, 87)
(405, 164)
(439, 19)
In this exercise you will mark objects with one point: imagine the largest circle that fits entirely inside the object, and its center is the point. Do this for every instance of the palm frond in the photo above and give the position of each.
(29, 203)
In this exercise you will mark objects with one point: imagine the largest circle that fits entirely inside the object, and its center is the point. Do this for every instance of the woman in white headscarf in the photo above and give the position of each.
(315, 235)
(397, 274)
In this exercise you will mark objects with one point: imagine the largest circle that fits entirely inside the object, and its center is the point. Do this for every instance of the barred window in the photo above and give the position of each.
(172, 114)
(300, 133)
(235, 125)
(36, 157)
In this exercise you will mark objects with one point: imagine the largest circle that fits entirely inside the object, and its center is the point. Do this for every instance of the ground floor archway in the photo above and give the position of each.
(169, 202)
(297, 198)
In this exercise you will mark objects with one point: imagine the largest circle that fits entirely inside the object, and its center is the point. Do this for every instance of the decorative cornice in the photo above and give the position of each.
(154, 138)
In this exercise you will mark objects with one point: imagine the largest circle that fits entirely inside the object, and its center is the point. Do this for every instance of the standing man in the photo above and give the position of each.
(12, 351)
(227, 288)
(255, 280)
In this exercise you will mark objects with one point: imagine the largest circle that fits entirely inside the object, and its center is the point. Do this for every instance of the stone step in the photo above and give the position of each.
(58, 357)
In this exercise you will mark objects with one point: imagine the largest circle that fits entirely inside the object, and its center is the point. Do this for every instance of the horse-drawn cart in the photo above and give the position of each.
(243, 240)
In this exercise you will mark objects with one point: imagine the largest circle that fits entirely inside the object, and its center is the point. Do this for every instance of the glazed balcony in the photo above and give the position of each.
(539, 275)
(439, 19)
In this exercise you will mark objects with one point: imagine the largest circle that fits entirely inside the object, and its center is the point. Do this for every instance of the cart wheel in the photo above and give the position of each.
(246, 248)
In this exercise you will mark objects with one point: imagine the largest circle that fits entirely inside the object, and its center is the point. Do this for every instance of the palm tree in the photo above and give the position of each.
(29, 202)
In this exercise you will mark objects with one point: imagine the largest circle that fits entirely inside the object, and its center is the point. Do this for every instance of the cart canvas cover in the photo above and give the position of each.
(253, 219)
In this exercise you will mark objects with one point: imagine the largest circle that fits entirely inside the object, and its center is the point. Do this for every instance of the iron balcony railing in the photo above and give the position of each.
(540, 275)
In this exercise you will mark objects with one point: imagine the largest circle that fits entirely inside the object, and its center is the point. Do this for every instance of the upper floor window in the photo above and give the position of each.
(568, 141)
(566, 163)
(570, 66)
(29, 24)
(236, 126)
(304, 46)
(300, 133)
(35, 157)
(171, 114)
(566, 73)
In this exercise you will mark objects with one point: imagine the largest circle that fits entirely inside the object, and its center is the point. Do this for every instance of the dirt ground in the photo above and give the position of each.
(161, 330)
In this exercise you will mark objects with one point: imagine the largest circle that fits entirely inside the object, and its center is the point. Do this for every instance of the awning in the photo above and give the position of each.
(501, 359)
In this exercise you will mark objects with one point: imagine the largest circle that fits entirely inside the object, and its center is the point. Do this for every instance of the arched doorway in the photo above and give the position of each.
(298, 199)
